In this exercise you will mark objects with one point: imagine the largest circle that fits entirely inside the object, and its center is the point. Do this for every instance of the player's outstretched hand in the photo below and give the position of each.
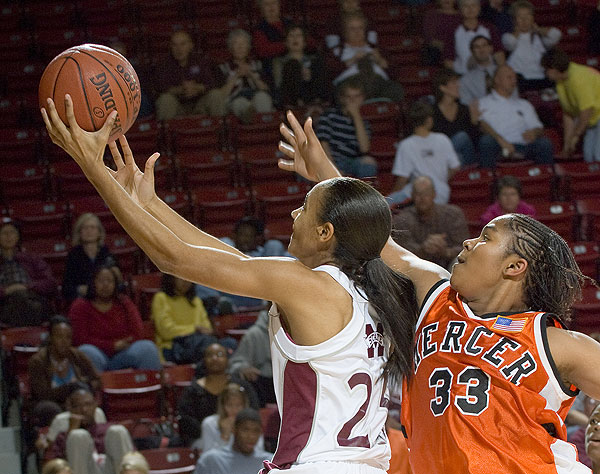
(307, 157)
(86, 148)
(140, 186)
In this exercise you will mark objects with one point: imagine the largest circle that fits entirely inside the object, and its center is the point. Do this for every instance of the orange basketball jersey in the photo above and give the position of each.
(485, 397)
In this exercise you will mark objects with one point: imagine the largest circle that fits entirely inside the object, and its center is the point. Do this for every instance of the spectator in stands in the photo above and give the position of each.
(576, 434)
(477, 81)
(243, 89)
(454, 119)
(495, 12)
(459, 54)
(577, 87)
(217, 429)
(57, 466)
(439, 25)
(199, 400)
(26, 282)
(249, 237)
(88, 445)
(55, 370)
(269, 35)
(184, 80)
(357, 58)
(243, 456)
(108, 328)
(299, 77)
(526, 45)
(61, 422)
(176, 312)
(510, 125)
(134, 463)
(335, 35)
(252, 359)
(431, 231)
(424, 153)
(87, 253)
(592, 440)
(508, 200)
(345, 135)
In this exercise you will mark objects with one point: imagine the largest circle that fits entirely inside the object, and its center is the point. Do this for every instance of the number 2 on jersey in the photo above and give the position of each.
(343, 438)
(476, 398)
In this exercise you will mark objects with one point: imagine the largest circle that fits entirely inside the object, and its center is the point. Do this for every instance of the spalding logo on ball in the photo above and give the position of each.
(99, 80)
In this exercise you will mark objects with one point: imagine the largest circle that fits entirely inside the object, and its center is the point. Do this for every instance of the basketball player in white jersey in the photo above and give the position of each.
(341, 321)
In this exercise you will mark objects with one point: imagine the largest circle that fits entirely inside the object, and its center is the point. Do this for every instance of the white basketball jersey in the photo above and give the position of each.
(332, 397)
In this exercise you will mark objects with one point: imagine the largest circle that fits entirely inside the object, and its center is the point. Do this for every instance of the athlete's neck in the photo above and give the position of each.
(503, 300)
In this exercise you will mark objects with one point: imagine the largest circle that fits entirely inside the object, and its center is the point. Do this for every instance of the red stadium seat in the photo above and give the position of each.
(589, 210)
(277, 200)
(587, 257)
(53, 251)
(175, 379)
(206, 167)
(170, 460)
(578, 180)
(70, 182)
(144, 138)
(264, 129)
(384, 117)
(560, 217)
(131, 394)
(19, 145)
(96, 205)
(383, 149)
(416, 80)
(126, 251)
(142, 288)
(218, 209)
(538, 182)
(18, 345)
(24, 181)
(194, 133)
(586, 317)
(259, 164)
(41, 219)
(471, 184)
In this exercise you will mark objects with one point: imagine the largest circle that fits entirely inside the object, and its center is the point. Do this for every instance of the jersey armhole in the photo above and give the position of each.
(430, 297)
(546, 320)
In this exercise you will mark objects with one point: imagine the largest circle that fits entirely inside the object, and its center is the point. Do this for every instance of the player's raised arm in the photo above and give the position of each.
(307, 158)
(140, 187)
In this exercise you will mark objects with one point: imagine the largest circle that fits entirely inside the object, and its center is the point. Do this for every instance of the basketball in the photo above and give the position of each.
(99, 80)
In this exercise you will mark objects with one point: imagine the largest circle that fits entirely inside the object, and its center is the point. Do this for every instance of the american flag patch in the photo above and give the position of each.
(503, 323)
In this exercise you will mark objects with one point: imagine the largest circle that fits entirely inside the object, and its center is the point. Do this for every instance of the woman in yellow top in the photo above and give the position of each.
(177, 311)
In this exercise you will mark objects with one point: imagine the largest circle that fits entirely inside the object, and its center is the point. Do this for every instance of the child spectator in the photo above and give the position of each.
(424, 154)
(508, 200)
(108, 328)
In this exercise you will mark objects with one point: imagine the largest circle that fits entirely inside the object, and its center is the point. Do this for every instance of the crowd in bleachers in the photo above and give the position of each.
(458, 111)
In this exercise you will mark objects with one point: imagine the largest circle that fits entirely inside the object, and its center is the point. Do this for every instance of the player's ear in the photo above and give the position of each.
(515, 268)
(325, 232)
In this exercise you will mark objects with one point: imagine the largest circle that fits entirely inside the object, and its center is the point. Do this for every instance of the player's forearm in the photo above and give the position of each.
(184, 230)
(326, 169)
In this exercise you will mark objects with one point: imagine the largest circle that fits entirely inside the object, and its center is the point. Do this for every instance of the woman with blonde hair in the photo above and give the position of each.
(134, 463)
(87, 253)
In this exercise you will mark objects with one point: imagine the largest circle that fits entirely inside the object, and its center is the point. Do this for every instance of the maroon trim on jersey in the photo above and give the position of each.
(299, 401)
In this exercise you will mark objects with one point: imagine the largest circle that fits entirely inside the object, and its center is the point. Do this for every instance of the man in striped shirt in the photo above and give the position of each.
(345, 135)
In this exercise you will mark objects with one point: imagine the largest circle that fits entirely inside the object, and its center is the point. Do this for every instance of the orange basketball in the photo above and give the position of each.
(99, 80)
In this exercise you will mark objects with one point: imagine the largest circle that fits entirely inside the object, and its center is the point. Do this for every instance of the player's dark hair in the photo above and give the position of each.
(362, 224)
(167, 284)
(555, 58)
(553, 281)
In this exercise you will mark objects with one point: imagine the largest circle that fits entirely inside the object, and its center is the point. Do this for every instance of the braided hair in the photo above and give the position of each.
(553, 281)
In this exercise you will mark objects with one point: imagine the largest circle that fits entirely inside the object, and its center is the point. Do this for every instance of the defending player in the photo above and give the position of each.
(495, 371)
(336, 310)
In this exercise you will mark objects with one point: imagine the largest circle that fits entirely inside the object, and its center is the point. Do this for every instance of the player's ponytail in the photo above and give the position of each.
(362, 224)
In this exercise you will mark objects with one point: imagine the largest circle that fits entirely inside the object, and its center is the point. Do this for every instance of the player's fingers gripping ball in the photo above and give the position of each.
(99, 80)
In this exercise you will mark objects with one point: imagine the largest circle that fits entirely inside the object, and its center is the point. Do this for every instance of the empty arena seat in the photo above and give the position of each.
(131, 394)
